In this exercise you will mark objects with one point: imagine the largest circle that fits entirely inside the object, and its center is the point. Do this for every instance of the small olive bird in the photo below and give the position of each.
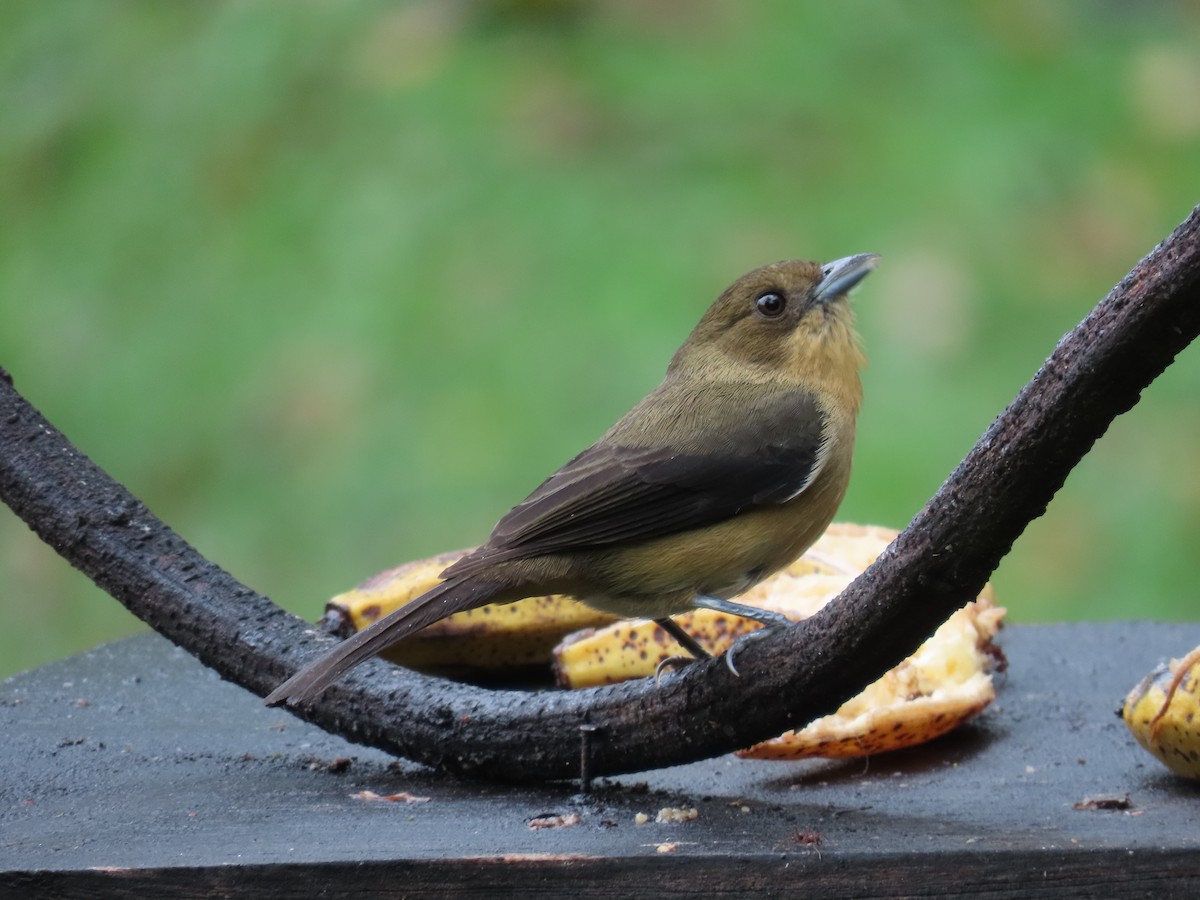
(726, 472)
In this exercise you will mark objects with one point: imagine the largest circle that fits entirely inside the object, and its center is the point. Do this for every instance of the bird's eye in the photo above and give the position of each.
(770, 305)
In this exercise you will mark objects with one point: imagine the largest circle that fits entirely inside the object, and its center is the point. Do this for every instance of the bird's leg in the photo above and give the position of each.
(765, 617)
(685, 640)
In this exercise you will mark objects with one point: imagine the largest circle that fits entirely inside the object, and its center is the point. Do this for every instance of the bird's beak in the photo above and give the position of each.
(842, 274)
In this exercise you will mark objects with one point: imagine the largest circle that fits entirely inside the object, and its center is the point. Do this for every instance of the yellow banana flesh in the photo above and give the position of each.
(1163, 714)
(492, 637)
(947, 681)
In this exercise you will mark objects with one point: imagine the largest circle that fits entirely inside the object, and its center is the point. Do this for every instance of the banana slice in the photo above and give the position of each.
(1163, 713)
(946, 682)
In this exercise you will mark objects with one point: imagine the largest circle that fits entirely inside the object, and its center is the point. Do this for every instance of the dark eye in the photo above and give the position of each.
(770, 305)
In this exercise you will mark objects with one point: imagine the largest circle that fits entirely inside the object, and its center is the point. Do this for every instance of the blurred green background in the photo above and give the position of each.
(331, 285)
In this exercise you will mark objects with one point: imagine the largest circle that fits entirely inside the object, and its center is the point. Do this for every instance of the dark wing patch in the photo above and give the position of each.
(613, 494)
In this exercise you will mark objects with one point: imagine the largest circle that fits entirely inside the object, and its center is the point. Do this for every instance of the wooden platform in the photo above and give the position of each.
(131, 769)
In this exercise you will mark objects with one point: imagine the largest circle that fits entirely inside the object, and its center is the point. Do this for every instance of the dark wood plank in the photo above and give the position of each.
(131, 769)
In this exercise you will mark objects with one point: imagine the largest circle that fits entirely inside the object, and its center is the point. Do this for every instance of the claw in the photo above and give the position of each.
(670, 663)
(729, 661)
(749, 636)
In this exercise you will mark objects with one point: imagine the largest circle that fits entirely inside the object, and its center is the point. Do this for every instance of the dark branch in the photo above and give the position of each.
(945, 555)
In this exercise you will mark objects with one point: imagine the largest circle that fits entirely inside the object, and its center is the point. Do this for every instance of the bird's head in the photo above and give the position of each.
(784, 321)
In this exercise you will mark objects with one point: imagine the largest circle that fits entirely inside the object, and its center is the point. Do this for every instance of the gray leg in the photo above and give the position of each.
(685, 640)
(767, 618)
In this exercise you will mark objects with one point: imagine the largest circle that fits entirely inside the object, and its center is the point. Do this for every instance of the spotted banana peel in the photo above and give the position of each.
(1163, 714)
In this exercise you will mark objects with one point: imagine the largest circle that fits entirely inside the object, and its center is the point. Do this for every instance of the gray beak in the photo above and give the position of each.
(843, 274)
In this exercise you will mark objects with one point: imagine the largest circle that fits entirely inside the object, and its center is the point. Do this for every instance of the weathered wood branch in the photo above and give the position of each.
(787, 679)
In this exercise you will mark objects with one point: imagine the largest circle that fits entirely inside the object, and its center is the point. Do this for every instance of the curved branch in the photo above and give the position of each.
(787, 679)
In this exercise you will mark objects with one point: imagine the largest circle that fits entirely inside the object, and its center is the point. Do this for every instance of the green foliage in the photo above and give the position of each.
(330, 286)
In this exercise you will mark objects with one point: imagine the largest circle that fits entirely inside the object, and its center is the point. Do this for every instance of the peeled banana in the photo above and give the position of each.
(1163, 713)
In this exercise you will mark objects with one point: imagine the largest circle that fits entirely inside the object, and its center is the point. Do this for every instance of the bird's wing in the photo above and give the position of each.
(612, 494)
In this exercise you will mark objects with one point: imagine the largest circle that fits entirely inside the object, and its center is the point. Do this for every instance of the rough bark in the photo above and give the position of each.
(787, 679)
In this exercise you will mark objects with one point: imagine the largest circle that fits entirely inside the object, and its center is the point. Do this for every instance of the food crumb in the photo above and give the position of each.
(402, 797)
(1105, 801)
(671, 815)
(553, 820)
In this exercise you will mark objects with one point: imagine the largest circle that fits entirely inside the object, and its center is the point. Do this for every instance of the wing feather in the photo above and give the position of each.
(613, 493)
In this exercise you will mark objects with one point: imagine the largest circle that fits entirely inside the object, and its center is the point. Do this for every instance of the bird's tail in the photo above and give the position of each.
(447, 598)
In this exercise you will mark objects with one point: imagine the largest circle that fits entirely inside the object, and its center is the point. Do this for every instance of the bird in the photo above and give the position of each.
(727, 471)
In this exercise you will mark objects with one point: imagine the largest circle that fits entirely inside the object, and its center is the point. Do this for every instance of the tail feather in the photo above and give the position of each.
(447, 598)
